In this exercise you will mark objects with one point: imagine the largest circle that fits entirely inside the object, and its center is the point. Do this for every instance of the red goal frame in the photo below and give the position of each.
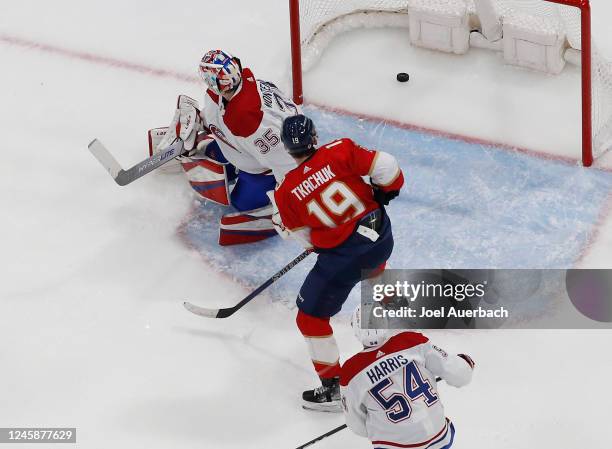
(587, 93)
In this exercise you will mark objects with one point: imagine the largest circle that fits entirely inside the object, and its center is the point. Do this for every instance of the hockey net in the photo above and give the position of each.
(316, 22)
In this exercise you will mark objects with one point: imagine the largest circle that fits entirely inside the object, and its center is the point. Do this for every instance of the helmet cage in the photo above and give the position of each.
(221, 72)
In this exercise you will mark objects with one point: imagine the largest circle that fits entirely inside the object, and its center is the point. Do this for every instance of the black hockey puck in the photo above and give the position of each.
(402, 77)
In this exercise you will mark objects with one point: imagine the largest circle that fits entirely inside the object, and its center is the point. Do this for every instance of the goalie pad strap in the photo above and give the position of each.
(246, 227)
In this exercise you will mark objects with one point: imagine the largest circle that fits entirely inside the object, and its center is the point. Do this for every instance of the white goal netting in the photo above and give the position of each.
(321, 20)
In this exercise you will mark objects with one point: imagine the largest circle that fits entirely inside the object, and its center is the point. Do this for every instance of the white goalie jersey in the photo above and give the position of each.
(248, 127)
(389, 392)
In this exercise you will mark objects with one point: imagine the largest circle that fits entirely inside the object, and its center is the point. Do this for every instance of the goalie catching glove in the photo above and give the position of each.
(186, 125)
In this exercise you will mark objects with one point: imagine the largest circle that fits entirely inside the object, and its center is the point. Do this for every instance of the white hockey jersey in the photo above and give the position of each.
(389, 392)
(248, 127)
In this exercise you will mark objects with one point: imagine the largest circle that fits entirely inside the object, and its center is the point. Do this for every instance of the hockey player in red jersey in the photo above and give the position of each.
(325, 203)
(389, 391)
(234, 152)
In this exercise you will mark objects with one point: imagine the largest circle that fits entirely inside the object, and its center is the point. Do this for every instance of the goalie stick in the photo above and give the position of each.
(331, 432)
(124, 177)
(224, 313)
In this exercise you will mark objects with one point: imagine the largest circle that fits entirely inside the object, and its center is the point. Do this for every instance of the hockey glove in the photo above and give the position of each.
(384, 198)
(302, 235)
(185, 125)
(198, 151)
(276, 218)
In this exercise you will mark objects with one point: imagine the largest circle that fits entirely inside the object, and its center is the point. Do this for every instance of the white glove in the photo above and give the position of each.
(185, 125)
(154, 137)
(276, 218)
(302, 235)
(199, 150)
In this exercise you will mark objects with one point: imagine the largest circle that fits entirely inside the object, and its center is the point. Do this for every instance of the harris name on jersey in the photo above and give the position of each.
(386, 367)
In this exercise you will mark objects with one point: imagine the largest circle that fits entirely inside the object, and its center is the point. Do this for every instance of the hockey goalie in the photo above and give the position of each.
(233, 151)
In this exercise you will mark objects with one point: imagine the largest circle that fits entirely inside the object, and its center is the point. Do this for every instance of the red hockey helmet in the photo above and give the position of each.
(221, 71)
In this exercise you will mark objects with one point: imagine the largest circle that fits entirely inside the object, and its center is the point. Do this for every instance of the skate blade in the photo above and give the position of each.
(328, 407)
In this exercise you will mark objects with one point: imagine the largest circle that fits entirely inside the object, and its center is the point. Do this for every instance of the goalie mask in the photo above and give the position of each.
(221, 71)
(368, 337)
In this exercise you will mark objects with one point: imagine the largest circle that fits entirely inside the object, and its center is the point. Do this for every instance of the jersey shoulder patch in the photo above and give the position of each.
(400, 342)
(243, 114)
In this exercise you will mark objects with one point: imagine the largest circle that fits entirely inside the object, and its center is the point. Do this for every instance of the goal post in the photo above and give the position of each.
(587, 89)
(296, 51)
(313, 24)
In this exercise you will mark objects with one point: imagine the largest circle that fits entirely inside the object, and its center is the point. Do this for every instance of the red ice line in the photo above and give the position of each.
(95, 59)
(455, 136)
(163, 73)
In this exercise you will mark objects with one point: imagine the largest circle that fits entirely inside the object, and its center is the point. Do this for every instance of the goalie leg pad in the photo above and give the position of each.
(208, 178)
(246, 227)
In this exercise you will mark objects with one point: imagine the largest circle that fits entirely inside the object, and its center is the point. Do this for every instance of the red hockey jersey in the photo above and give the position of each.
(326, 195)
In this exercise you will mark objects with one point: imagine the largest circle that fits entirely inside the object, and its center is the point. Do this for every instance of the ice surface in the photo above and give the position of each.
(500, 209)
(92, 331)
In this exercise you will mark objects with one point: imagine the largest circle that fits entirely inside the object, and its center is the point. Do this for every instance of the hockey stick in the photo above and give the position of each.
(336, 430)
(325, 435)
(124, 177)
(224, 313)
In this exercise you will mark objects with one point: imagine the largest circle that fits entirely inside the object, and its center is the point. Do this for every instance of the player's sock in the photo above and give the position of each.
(322, 345)
(325, 398)
(325, 357)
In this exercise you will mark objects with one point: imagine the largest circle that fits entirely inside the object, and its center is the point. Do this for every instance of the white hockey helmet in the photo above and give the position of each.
(220, 71)
(367, 337)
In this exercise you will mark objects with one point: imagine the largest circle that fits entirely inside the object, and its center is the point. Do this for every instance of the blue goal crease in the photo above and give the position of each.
(464, 205)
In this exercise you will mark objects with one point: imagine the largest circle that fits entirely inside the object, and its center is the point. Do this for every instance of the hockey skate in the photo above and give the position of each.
(325, 398)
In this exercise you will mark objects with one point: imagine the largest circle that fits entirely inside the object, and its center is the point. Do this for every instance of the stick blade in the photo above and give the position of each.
(202, 311)
(106, 159)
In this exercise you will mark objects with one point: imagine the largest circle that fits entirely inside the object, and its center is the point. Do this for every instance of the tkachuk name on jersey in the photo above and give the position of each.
(313, 182)
(385, 367)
